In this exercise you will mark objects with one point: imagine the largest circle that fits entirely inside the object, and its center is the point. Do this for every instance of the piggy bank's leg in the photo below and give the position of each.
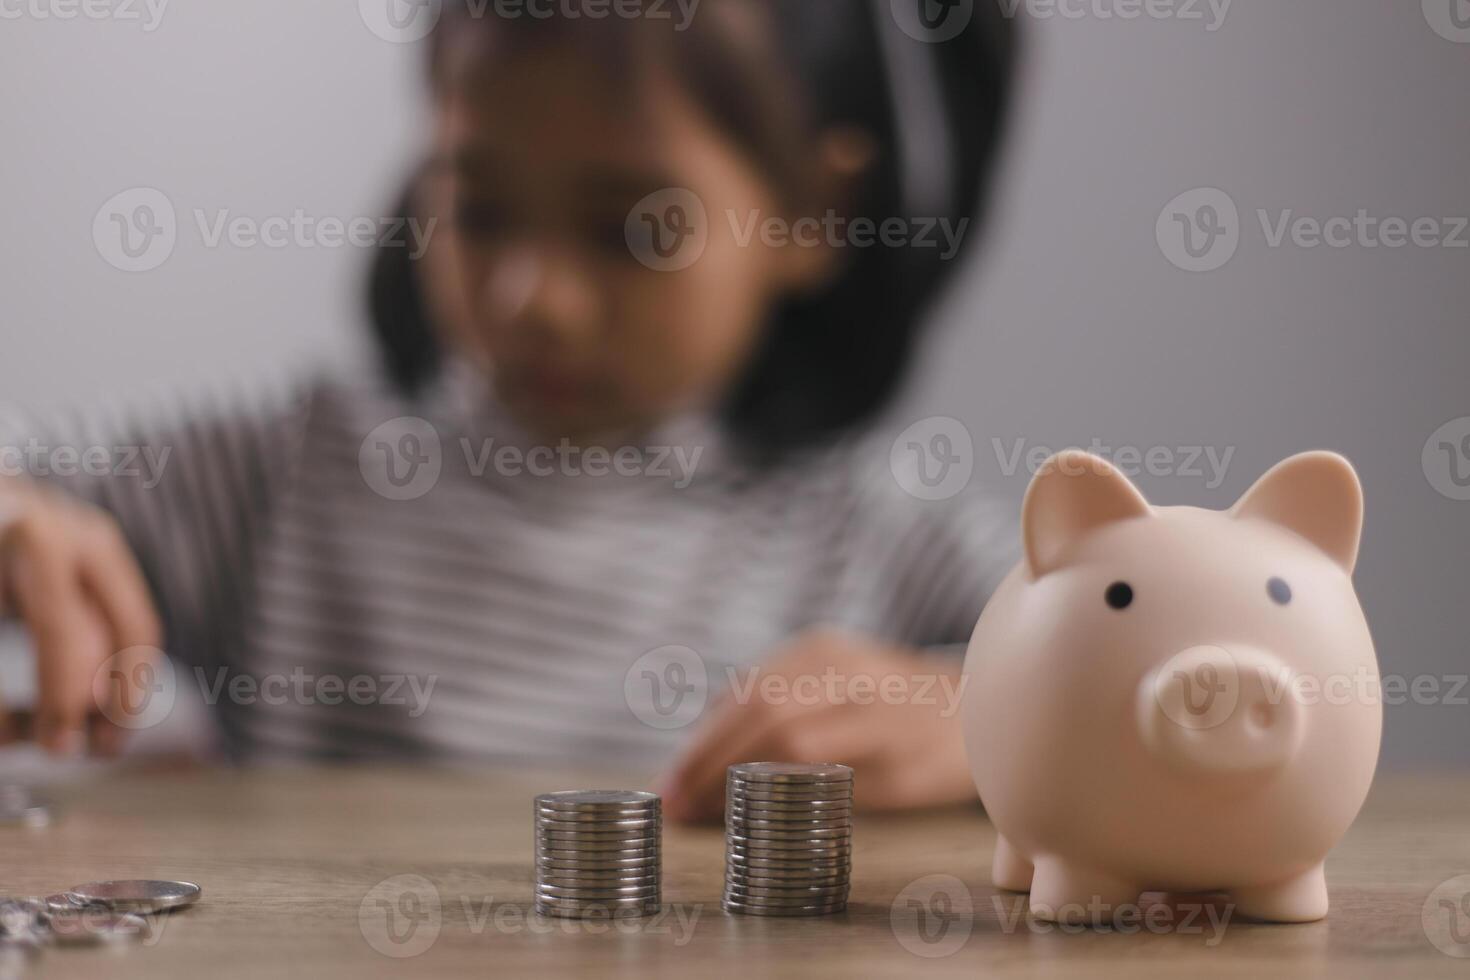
(1010, 871)
(1062, 892)
(1299, 899)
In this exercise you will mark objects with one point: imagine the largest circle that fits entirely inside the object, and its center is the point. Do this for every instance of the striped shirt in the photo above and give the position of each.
(348, 573)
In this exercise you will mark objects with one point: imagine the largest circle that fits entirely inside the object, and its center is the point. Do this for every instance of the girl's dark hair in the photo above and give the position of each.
(831, 360)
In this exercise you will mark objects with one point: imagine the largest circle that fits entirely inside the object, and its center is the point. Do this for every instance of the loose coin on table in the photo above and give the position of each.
(140, 896)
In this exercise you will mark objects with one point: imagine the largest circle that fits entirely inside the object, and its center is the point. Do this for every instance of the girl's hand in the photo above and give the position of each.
(891, 714)
(69, 575)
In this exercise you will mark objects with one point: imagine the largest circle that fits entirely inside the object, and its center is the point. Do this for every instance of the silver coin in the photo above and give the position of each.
(599, 799)
(784, 891)
(797, 843)
(789, 850)
(782, 903)
(613, 818)
(552, 901)
(810, 791)
(777, 772)
(786, 832)
(95, 926)
(822, 871)
(65, 902)
(137, 895)
(608, 874)
(634, 837)
(765, 878)
(595, 895)
(599, 849)
(598, 874)
(795, 872)
(751, 908)
(822, 861)
(616, 817)
(781, 869)
(764, 835)
(571, 880)
(614, 842)
(594, 831)
(734, 902)
(790, 859)
(784, 794)
(598, 912)
(741, 797)
(596, 852)
(573, 861)
(568, 869)
(751, 811)
(743, 810)
(597, 892)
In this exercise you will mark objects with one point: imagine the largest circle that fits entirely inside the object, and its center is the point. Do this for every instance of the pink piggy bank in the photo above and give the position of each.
(1172, 698)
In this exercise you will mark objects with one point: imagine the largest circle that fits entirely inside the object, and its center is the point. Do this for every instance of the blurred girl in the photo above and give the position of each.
(616, 460)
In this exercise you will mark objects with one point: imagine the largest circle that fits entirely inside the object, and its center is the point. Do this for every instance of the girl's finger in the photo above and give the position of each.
(48, 592)
(113, 580)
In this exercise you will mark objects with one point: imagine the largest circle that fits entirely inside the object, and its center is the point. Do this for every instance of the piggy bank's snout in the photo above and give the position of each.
(1223, 710)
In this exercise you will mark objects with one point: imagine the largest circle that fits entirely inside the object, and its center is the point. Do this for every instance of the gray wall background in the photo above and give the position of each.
(1074, 327)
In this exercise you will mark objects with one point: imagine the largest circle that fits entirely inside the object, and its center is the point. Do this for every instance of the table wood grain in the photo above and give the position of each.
(292, 861)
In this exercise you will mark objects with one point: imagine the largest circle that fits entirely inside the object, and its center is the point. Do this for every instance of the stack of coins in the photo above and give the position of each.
(597, 853)
(788, 838)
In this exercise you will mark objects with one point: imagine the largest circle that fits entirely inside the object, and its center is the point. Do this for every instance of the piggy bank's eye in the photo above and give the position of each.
(1119, 595)
(1278, 590)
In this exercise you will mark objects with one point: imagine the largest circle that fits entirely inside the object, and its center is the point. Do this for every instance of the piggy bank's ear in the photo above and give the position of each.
(1073, 493)
(1318, 496)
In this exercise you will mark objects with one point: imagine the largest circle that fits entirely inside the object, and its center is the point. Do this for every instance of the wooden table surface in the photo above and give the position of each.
(291, 863)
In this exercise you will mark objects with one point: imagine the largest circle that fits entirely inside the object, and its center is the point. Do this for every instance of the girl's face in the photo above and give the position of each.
(542, 160)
